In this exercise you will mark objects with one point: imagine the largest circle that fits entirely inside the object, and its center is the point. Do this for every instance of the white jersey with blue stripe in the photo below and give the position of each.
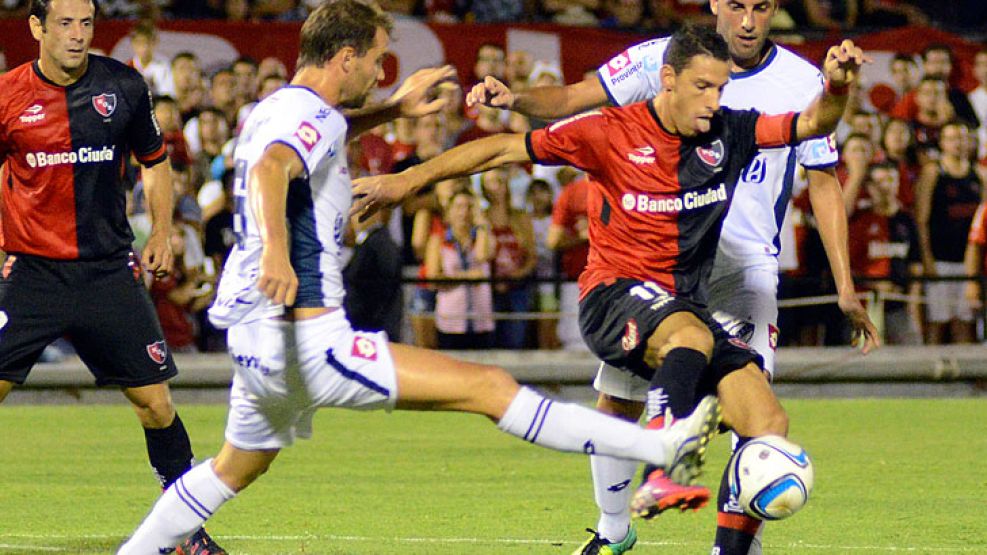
(783, 82)
(318, 204)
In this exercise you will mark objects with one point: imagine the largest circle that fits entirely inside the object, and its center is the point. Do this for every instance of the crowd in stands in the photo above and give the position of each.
(633, 15)
(913, 165)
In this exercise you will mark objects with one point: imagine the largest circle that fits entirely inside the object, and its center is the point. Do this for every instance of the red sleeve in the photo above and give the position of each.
(572, 141)
(978, 231)
(561, 215)
(775, 131)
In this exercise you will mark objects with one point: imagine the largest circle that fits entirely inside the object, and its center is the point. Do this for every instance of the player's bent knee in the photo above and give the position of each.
(625, 409)
(694, 337)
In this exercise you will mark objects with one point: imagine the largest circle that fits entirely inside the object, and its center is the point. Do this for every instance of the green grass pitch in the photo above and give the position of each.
(891, 476)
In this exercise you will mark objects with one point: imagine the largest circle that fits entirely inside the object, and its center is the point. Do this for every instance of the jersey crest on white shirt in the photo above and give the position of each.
(318, 204)
(783, 83)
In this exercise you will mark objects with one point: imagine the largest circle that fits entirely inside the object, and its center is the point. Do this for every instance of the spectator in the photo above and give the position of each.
(206, 135)
(271, 66)
(245, 80)
(491, 60)
(491, 11)
(539, 202)
(518, 68)
(157, 72)
(428, 140)
(933, 110)
(668, 14)
(514, 256)
(488, 121)
(904, 73)
(856, 156)
(186, 74)
(237, 10)
(947, 195)
(978, 100)
(180, 295)
(196, 9)
(898, 147)
(884, 248)
(269, 84)
(569, 235)
(430, 222)
(937, 62)
(623, 14)
(372, 278)
(169, 118)
(453, 114)
(222, 95)
(463, 312)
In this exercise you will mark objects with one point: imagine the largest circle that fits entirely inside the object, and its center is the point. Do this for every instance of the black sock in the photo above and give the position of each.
(169, 451)
(678, 378)
(735, 530)
(674, 385)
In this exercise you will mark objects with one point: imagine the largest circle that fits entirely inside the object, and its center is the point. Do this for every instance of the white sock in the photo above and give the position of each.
(612, 484)
(180, 511)
(570, 427)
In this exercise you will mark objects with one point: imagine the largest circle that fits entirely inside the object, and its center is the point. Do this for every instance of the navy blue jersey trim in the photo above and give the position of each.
(787, 184)
(355, 376)
(827, 166)
(772, 53)
(530, 148)
(793, 140)
(308, 171)
(603, 83)
(306, 249)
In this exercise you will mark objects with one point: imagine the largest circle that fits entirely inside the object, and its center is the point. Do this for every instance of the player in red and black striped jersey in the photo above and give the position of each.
(666, 170)
(69, 121)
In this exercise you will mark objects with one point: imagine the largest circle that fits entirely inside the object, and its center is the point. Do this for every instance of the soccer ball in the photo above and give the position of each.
(771, 477)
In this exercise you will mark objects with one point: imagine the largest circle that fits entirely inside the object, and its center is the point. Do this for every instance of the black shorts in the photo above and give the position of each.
(616, 321)
(100, 306)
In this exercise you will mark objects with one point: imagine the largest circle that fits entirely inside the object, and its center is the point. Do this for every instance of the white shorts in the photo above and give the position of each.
(743, 300)
(284, 371)
(946, 299)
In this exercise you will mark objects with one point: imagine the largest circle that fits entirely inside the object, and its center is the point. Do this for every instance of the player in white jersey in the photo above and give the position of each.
(281, 297)
(743, 285)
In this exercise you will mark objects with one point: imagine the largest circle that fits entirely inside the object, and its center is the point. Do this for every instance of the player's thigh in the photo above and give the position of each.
(429, 380)
(745, 303)
(619, 320)
(116, 330)
(749, 406)
(35, 309)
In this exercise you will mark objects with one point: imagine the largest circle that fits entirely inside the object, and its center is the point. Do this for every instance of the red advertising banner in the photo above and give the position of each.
(417, 44)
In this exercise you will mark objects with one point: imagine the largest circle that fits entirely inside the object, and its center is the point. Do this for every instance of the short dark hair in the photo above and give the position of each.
(144, 28)
(40, 9)
(694, 40)
(163, 99)
(883, 165)
(902, 57)
(184, 55)
(245, 60)
(335, 25)
(937, 47)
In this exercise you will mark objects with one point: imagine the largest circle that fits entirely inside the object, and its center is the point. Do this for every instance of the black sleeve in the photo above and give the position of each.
(143, 132)
(741, 132)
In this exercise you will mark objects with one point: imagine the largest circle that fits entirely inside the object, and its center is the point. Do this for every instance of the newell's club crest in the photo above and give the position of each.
(105, 104)
(711, 154)
(158, 352)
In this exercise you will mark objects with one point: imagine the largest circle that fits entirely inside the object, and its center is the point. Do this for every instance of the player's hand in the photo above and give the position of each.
(370, 194)
(842, 65)
(491, 92)
(277, 279)
(157, 256)
(416, 95)
(863, 328)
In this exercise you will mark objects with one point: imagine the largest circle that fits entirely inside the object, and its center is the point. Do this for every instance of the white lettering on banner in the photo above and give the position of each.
(84, 155)
(691, 200)
(881, 249)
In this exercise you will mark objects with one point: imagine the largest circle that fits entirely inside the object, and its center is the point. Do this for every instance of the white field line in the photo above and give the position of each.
(7, 547)
(508, 541)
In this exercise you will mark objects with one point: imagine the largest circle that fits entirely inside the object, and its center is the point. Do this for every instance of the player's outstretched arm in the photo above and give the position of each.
(267, 193)
(841, 68)
(552, 102)
(373, 193)
(413, 99)
(827, 205)
(157, 256)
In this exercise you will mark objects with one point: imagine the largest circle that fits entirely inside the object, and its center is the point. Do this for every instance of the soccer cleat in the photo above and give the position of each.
(665, 490)
(659, 493)
(691, 436)
(199, 543)
(596, 545)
